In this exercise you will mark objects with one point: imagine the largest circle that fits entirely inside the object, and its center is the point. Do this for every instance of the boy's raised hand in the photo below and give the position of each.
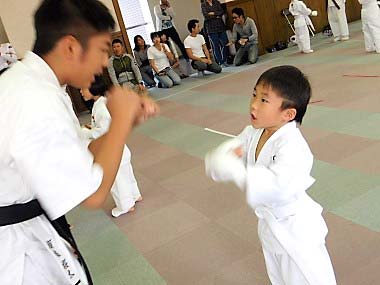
(224, 165)
(124, 105)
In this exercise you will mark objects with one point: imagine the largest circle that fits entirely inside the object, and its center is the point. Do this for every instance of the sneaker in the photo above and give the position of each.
(308, 51)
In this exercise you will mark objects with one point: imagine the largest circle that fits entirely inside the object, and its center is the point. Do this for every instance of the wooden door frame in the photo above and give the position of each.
(122, 26)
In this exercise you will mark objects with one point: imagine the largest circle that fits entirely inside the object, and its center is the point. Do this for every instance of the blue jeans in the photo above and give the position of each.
(169, 79)
(218, 43)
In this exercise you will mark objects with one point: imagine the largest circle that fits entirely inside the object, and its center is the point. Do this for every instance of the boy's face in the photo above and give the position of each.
(265, 109)
(197, 28)
(117, 49)
(86, 63)
(86, 94)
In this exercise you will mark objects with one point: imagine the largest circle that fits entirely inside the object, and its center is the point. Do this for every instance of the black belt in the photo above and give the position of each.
(336, 4)
(18, 213)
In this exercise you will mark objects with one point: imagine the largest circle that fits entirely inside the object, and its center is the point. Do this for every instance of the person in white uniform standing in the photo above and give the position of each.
(302, 20)
(370, 15)
(271, 161)
(336, 14)
(125, 191)
(46, 168)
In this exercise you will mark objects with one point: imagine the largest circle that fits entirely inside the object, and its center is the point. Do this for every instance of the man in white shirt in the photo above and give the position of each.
(46, 168)
(197, 51)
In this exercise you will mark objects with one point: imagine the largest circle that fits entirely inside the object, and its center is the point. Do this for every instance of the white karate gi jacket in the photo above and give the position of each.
(41, 157)
(301, 22)
(290, 222)
(301, 14)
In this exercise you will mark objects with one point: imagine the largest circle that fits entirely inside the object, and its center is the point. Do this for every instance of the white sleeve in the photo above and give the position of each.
(287, 175)
(245, 138)
(303, 9)
(171, 12)
(186, 43)
(223, 165)
(55, 164)
(103, 121)
(158, 13)
(203, 40)
(150, 53)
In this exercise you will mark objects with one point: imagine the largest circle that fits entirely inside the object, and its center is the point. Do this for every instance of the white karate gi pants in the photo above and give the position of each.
(282, 270)
(303, 38)
(125, 191)
(371, 28)
(338, 21)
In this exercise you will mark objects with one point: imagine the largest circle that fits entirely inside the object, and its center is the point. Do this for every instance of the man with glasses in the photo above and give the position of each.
(245, 29)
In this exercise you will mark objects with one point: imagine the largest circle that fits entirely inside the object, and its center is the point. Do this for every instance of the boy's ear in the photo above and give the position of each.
(70, 47)
(290, 114)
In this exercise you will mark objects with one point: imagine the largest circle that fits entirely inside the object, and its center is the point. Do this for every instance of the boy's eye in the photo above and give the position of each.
(254, 95)
(264, 100)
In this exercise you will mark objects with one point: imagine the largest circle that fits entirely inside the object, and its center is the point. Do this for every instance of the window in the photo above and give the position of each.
(137, 19)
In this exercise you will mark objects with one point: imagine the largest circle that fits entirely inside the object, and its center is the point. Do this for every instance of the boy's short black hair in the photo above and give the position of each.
(238, 11)
(117, 41)
(99, 86)
(55, 19)
(155, 35)
(290, 84)
(191, 24)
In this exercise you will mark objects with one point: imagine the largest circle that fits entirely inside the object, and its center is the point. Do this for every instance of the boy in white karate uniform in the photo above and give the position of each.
(302, 20)
(271, 161)
(336, 14)
(371, 25)
(125, 191)
(46, 168)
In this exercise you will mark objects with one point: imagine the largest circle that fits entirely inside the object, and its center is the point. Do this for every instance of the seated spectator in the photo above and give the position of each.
(175, 63)
(123, 69)
(159, 55)
(245, 29)
(197, 50)
(141, 55)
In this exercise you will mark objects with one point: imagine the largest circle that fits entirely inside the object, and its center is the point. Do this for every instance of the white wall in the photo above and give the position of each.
(184, 12)
(17, 19)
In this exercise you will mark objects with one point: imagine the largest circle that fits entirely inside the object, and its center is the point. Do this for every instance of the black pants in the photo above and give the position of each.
(172, 33)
